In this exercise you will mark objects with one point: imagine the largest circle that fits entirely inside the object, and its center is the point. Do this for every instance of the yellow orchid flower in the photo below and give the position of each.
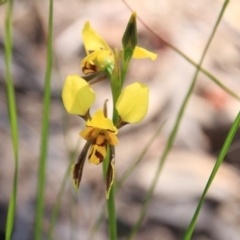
(99, 55)
(77, 95)
(132, 104)
(100, 133)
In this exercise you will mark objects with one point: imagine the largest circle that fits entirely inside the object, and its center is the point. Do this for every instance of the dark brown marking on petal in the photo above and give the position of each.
(99, 155)
(89, 68)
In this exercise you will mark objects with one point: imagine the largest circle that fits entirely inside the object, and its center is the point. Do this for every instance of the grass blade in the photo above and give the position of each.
(220, 159)
(45, 129)
(175, 49)
(12, 112)
(174, 131)
(60, 194)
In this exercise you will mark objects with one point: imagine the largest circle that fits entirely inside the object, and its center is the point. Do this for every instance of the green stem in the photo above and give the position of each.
(45, 129)
(72, 156)
(111, 214)
(204, 71)
(174, 131)
(112, 226)
(12, 112)
(220, 159)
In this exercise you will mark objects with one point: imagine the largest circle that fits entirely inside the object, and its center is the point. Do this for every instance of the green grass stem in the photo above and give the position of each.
(174, 132)
(57, 205)
(112, 226)
(12, 113)
(175, 49)
(45, 130)
(218, 163)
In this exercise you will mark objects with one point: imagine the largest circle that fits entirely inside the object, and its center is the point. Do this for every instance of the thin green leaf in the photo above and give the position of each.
(60, 194)
(12, 112)
(173, 132)
(175, 49)
(45, 129)
(218, 163)
(2, 1)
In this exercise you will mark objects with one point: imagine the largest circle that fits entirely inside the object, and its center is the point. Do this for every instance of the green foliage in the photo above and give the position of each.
(45, 130)
(12, 112)
(117, 77)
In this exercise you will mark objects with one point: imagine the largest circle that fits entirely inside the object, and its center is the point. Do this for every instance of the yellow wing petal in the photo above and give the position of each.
(143, 53)
(77, 95)
(132, 104)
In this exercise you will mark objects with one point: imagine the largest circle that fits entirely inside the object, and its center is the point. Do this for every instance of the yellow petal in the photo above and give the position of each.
(132, 104)
(77, 95)
(143, 53)
(89, 133)
(92, 40)
(101, 122)
(111, 138)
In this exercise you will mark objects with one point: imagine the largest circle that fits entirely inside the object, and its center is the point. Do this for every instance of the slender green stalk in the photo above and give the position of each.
(55, 212)
(12, 112)
(59, 196)
(116, 86)
(174, 131)
(111, 214)
(45, 129)
(175, 49)
(218, 163)
(112, 226)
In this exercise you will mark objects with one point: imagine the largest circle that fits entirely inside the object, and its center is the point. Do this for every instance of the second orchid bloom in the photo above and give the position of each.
(100, 132)
(100, 57)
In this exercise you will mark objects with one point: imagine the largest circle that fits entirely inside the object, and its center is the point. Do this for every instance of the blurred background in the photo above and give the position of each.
(206, 122)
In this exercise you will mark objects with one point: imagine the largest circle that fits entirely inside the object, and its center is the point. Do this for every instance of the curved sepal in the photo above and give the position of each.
(77, 168)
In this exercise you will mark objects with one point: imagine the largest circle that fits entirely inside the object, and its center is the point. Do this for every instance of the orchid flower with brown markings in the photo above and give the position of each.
(100, 132)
